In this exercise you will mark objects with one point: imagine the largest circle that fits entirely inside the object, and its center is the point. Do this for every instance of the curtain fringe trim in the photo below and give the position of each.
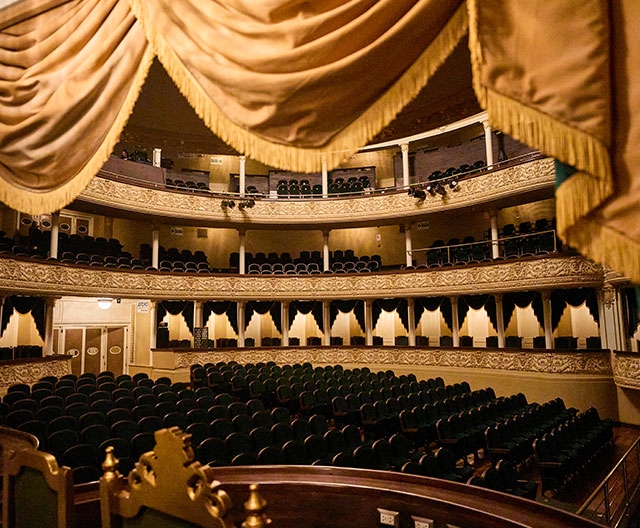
(347, 141)
(34, 202)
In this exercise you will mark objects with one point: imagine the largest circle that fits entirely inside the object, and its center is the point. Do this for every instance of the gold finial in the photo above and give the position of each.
(110, 464)
(254, 507)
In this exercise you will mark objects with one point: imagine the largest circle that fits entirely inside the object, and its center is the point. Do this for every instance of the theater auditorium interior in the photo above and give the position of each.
(349, 264)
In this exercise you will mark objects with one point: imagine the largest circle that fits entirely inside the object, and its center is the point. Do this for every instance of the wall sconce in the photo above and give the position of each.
(104, 303)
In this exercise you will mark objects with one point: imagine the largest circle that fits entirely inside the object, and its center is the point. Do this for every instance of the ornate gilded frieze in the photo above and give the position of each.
(30, 372)
(626, 370)
(556, 362)
(378, 207)
(47, 278)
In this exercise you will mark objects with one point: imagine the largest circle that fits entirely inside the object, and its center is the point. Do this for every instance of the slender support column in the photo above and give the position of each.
(325, 176)
(411, 321)
(241, 252)
(455, 323)
(612, 329)
(404, 147)
(368, 321)
(495, 245)
(548, 324)
(285, 322)
(326, 264)
(50, 303)
(326, 319)
(155, 248)
(408, 245)
(198, 314)
(488, 141)
(500, 320)
(241, 324)
(242, 176)
(55, 228)
(157, 157)
(153, 325)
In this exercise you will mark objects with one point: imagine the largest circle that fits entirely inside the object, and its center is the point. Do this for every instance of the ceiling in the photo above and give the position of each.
(163, 118)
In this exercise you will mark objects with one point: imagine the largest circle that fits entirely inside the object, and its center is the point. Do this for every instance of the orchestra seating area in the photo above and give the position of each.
(266, 413)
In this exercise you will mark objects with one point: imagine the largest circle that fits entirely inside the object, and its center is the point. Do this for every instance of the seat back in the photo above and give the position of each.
(167, 487)
(31, 476)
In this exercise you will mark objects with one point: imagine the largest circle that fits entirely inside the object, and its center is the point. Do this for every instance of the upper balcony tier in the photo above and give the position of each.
(114, 194)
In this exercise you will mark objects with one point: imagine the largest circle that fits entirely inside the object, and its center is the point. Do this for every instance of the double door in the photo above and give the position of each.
(94, 348)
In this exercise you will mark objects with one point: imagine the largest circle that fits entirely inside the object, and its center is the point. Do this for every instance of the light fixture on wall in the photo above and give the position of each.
(104, 303)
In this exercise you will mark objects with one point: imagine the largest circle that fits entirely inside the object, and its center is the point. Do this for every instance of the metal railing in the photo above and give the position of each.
(507, 246)
(616, 498)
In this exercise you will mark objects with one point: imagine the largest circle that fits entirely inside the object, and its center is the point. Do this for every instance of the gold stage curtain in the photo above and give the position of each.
(70, 73)
(286, 81)
(563, 77)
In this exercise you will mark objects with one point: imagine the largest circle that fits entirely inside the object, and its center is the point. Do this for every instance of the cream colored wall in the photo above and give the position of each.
(281, 240)
(382, 160)
(219, 327)
(628, 405)
(141, 339)
(304, 326)
(364, 241)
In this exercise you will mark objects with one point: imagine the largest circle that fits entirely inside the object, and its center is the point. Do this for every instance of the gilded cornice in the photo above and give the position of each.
(47, 278)
(379, 207)
(552, 362)
(626, 370)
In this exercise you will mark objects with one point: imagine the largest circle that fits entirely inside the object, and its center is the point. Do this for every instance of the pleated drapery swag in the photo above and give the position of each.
(291, 84)
(285, 83)
(563, 77)
(24, 305)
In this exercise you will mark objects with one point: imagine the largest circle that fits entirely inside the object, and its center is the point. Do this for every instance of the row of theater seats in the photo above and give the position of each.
(179, 181)
(529, 239)
(303, 188)
(20, 352)
(465, 168)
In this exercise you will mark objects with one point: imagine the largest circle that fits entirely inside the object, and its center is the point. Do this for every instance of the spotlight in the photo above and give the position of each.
(440, 190)
(419, 194)
(227, 204)
(429, 188)
(411, 191)
(453, 184)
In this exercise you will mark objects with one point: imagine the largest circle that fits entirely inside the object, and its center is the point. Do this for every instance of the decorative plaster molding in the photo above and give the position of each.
(379, 207)
(49, 278)
(626, 370)
(552, 362)
(31, 371)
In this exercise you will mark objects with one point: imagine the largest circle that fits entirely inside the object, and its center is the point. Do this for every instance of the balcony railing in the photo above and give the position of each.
(615, 501)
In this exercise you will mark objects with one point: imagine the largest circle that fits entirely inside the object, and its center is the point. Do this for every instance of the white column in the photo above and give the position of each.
(197, 314)
(325, 176)
(241, 324)
(285, 322)
(411, 321)
(50, 303)
(368, 321)
(548, 323)
(408, 245)
(495, 245)
(455, 323)
(488, 141)
(326, 320)
(157, 157)
(153, 326)
(155, 248)
(242, 176)
(326, 265)
(55, 228)
(499, 320)
(404, 147)
(241, 252)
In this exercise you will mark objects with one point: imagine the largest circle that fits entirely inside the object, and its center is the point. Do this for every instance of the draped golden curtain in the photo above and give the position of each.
(285, 81)
(282, 81)
(70, 73)
(564, 78)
